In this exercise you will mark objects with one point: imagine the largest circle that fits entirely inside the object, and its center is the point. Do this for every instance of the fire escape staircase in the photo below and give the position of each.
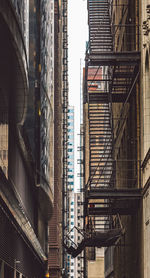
(103, 202)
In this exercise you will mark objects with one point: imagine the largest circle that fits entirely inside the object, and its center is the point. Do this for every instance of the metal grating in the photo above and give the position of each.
(100, 36)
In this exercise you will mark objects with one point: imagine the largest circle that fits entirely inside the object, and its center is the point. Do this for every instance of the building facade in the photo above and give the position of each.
(113, 132)
(93, 145)
(57, 256)
(75, 204)
(26, 135)
(71, 148)
(78, 235)
(127, 149)
(145, 131)
(70, 188)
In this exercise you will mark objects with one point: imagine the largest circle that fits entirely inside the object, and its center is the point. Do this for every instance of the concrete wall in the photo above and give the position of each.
(96, 268)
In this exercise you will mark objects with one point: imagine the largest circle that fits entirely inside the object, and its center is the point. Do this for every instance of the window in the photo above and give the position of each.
(70, 170)
(70, 144)
(70, 110)
(70, 117)
(71, 157)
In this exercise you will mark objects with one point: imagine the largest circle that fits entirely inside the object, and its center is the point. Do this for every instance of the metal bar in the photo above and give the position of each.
(114, 58)
(111, 211)
(98, 193)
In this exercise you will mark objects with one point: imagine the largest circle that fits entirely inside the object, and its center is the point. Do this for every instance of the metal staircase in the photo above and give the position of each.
(100, 129)
(99, 27)
(110, 76)
(100, 139)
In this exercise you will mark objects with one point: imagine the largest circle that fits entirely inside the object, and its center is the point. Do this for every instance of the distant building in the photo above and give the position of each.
(70, 188)
(75, 208)
(78, 234)
(71, 148)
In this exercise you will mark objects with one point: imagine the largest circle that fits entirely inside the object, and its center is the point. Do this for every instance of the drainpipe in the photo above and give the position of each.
(138, 101)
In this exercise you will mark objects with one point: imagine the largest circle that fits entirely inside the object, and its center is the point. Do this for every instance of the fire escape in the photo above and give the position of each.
(111, 75)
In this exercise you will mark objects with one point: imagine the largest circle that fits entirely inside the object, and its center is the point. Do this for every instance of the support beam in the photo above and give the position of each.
(113, 58)
(113, 193)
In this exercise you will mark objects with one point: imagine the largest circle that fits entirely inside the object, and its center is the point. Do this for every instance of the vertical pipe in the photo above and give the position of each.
(138, 135)
(138, 98)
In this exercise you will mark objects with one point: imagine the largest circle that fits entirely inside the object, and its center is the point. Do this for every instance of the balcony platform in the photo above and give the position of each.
(111, 58)
(114, 193)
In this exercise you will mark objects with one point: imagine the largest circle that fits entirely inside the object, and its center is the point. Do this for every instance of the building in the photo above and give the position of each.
(75, 205)
(57, 256)
(96, 267)
(116, 132)
(116, 140)
(26, 135)
(70, 188)
(78, 234)
(144, 132)
(95, 130)
(127, 146)
(71, 148)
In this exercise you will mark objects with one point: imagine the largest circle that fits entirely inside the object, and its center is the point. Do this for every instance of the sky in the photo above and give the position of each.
(77, 37)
